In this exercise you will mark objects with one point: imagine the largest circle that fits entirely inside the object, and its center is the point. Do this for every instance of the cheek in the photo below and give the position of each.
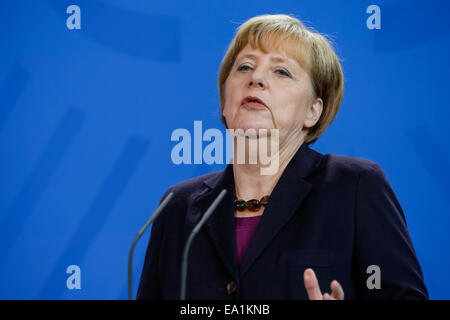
(230, 105)
(228, 109)
(291, 113)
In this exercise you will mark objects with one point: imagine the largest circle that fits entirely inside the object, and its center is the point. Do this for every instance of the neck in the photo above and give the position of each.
(251, 184)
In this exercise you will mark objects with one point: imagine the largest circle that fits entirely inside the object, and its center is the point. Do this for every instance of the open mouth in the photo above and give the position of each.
(253, 103)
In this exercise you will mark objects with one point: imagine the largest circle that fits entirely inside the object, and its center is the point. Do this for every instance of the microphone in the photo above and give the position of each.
(138, 236)
(194, 232)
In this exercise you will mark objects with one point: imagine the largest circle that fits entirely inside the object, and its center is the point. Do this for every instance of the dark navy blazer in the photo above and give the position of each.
(335, 214)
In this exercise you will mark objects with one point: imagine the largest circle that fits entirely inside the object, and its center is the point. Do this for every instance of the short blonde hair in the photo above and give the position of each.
(310, 49)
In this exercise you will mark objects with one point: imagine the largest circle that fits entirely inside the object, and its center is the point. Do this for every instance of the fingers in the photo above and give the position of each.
(326, 296)
(312, 285)
(336, 290)
(313, 289)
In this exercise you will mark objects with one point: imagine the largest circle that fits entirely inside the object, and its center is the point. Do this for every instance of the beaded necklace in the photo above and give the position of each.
(251, 205)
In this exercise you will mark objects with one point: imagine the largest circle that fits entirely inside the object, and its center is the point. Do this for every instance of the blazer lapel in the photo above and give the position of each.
(286, 197)
(221, 226)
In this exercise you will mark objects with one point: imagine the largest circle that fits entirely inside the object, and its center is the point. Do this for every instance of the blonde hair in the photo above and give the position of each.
(310, 49)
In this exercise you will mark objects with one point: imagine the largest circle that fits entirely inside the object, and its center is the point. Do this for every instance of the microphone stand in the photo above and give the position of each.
(138, 236)
(194, 232)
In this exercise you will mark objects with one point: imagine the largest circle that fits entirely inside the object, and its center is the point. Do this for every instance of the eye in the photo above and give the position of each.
(283, 72)
(244, 68)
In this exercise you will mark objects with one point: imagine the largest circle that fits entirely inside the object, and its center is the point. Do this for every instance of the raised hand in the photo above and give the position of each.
(313, 289)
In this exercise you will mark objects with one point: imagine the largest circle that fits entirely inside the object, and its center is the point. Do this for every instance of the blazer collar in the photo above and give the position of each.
(286, 197)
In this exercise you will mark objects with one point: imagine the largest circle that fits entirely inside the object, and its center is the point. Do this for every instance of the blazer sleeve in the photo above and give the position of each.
(382, 239)
(149, 285)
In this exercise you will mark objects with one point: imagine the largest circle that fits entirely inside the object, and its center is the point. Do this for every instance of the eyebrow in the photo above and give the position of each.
(273, 59)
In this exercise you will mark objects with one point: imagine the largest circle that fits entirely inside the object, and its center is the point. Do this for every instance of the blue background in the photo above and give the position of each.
(86, 118)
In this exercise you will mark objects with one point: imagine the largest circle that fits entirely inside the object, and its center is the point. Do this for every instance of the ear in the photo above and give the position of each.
(313, 113)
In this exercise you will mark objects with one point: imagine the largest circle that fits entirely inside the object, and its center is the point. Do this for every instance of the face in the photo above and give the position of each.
(282, 87)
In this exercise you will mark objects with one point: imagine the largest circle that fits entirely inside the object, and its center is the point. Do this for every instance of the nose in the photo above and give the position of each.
(257, 80)
(257, 83)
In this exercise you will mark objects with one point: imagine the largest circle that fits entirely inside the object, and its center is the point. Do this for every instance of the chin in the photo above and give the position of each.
(252, 125)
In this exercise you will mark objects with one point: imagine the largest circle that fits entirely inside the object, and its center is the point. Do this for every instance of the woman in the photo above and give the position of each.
(324, 224)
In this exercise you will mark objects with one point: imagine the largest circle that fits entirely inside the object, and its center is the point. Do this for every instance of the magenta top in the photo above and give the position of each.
(244, 231)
